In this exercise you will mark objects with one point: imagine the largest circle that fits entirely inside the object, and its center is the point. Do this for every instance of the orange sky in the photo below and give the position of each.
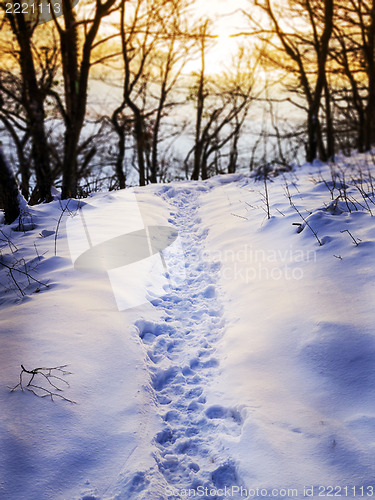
(228, 20)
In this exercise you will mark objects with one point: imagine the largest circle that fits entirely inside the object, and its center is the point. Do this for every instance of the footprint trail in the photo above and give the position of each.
(182, 362)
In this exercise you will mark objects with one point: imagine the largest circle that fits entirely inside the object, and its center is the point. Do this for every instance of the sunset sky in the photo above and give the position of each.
(227, 20)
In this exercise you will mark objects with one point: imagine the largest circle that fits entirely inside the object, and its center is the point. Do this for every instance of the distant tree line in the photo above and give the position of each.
(321, 52)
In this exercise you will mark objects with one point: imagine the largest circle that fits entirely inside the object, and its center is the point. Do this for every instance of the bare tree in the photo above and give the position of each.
(122, 125)
(14, 103)
(353, 61)
(10, 198)
(176, 48)
(16, 124)
(32, 99)
(200, 102)
(137, 43)
(155, 42)
(222, 103)
(77, 44)
(298, 39)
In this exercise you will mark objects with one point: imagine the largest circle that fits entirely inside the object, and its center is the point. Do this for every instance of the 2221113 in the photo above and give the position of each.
(33, 8)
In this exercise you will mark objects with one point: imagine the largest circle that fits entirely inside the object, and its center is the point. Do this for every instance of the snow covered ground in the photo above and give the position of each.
(252, 376)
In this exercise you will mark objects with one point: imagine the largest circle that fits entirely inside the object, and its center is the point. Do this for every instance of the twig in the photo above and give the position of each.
(37, 253)
(330, 189)
(352, 237)
(307, 224)
(63, 210)
(267, 197)
(302, 217)
(14, 279)
(22, 272)
(365, 198)
(46, 374)
(12, 246)
(240, 216)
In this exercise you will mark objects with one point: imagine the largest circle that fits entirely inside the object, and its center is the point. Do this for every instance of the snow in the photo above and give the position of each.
(246, 368)
(298, 353)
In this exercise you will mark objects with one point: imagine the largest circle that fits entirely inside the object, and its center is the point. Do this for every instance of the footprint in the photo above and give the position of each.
(216, 411)
(209, 292)
(194, 393)
(196, 363)
(172, 416)
(225, 475)
(219, 412)
(165, 436)
(139, 482)
(164, 377)
(194, 406)
(146, 327)
(194, 467)
(163, 400)
(155, 357)
(148, 338)
(170, 463)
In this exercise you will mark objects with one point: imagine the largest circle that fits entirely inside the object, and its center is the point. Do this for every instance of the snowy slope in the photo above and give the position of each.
(254, 370)
(299, 346)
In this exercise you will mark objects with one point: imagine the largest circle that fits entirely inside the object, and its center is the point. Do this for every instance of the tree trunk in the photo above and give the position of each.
(155, 139)
(312, 136)
(34, 106)
(120, 159)
(24, 164)
(69, 184)
(370, 61)
(370, 114)
(204, 168)
(9, 194)
(329, 124)
(25, 174)
(140, 143)
(200, 107)
(41, 160)
(197, 161)
(233, 154)
(75, 109)
(120, 127)
(361, 132)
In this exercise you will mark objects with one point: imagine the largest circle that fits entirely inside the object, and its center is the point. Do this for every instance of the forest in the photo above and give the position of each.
(300, 86)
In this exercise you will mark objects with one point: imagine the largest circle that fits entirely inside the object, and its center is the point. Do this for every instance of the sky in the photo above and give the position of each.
(228, 20)
(227, 15)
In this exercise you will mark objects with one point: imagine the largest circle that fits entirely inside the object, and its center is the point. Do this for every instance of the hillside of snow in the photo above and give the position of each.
(205, 339)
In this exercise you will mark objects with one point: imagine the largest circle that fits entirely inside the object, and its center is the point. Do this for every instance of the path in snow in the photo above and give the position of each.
(182, 362)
